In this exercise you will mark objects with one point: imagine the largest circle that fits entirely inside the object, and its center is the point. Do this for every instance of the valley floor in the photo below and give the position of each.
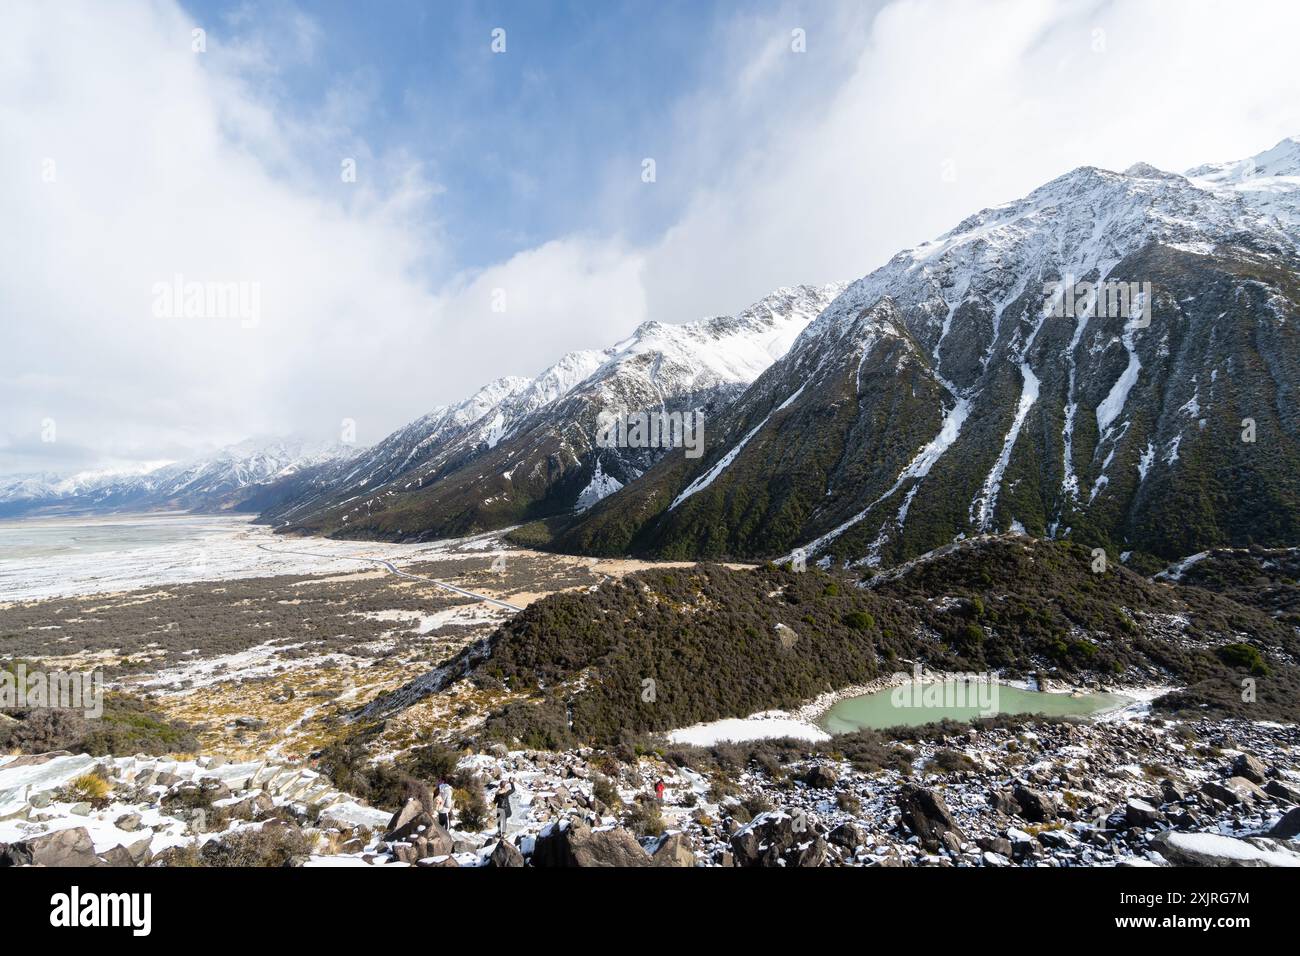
(269, 663)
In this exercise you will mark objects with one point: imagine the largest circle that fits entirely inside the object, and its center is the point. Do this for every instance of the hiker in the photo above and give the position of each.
(659, 790)
(445, 803)
(502, 799)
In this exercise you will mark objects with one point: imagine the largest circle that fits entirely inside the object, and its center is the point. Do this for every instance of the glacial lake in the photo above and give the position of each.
(914, 704)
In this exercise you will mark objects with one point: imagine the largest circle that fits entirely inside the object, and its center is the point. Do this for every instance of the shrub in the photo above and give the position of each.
(433, 763)
(644, 818)
(859, 620)
(603, 789)
(950, 761)
(46, 730)
(472, 809)
(1244, 656)
(127, 726)
(266, 846)
(89, 786)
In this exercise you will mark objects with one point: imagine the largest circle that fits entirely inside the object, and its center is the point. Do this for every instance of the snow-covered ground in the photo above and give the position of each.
(155, 552)
(765, 726)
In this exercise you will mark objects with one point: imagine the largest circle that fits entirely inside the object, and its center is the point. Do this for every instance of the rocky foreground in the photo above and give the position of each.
(1131, 792)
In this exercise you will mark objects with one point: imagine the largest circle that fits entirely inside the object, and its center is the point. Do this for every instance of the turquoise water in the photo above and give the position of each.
(914, 704)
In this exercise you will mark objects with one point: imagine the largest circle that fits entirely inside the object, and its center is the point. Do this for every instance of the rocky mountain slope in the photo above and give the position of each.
(520, 449)
(939, 396)
(239, 477)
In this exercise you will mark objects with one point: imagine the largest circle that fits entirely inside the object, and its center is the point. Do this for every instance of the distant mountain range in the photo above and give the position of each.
(946, 394)
(245, 477)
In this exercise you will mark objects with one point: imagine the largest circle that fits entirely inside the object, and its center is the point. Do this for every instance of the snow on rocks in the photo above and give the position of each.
(156, 805)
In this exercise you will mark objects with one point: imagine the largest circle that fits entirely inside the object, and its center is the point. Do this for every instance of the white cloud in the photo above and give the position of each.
(1012, 94)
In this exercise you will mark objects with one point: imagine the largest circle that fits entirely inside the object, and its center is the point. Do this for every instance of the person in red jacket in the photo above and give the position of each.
(659, 789)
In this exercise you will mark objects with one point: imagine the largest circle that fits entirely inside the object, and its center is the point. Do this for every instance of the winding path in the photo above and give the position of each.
(401, 574)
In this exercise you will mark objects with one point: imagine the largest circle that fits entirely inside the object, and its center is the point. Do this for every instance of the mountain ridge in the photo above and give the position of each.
(973, 394)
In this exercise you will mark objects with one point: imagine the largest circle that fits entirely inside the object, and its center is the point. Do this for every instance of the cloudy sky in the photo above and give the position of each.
(791, 143)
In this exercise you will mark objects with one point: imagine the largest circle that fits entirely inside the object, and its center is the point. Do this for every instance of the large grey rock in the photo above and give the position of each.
(776, 838)
(1288, 827)
(1250, 767)
(412, 820)
(1139, 814)
(821, 778)
(926, 815)
(847, 835)
(1235, 790)
(70, 847)
(1280, 790)
(674, 849)
(576, 844)
(1035, 806)
(506, 854)
(136, 854)
(1212, 849)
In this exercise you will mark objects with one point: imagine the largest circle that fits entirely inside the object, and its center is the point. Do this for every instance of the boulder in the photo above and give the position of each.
(674, 849)
(404, 852)
(14, 854)
(848, 835)
(813, 853)
(995, 845)
(777, 838)
(1023, 846)
(1139, 814)
(1288, 827)
(137, 854)
(926, 815)
(1035, 806)
(821, 778)
(1213, 849)
(1058, 839)
(1250, 767)
(71, 847)
(506, 854)
(1002, 802)
(1235, 790)
(409, 821)
(1279, 790)
(573, 843)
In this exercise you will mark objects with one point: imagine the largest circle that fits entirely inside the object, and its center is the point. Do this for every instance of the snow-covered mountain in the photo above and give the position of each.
(525, 448)
(228, 478)
(940, 395)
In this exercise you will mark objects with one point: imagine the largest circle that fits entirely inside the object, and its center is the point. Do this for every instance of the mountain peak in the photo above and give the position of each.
(1147, 171)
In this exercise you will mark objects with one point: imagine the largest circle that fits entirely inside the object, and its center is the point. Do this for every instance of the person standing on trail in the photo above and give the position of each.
(446, 802)
(659, 790)
(505, 791)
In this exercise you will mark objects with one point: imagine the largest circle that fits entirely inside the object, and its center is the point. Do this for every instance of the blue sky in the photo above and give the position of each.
(545, 139)
(482, 175)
